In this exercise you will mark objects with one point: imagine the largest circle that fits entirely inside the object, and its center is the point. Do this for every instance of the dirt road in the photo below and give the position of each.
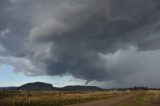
(107, 102)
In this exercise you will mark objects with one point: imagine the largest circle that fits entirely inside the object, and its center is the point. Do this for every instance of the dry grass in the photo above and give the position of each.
(13, 98)
(51, 98)
(150, 98)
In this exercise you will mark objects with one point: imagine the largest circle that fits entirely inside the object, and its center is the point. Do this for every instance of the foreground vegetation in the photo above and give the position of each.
(23, 98)
(147, 98)
(26, 98)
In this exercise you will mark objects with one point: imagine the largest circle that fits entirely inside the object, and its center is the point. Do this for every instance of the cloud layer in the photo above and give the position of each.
(93, 40)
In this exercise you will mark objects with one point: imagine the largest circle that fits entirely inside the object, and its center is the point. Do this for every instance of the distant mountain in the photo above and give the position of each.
(40, 86)
(81, 88)
(9, 88)
(37, 86)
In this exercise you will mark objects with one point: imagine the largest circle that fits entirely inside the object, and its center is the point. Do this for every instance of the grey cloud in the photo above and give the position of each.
(75, 36)
(4, 33)
(131, 67)
(20, 65)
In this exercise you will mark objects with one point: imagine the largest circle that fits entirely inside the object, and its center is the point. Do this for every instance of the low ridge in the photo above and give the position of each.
(41, 86)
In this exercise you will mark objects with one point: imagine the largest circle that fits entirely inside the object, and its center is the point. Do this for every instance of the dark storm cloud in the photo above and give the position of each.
(91, 39)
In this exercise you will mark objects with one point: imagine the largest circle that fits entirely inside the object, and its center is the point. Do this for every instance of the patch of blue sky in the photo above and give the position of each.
(10, 78)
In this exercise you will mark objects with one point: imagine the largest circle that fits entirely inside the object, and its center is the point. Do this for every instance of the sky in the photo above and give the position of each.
(9, 78)
(106, 43)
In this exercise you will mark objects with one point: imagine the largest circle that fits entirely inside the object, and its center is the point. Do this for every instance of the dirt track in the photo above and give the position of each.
(107, 102)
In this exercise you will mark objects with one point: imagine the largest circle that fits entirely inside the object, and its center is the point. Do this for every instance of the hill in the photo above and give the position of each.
(81, 88)
(37, 86)
(41, 86)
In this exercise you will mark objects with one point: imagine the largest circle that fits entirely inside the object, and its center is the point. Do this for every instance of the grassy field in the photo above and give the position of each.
(22, 98)
(15, 98)
(147, 98)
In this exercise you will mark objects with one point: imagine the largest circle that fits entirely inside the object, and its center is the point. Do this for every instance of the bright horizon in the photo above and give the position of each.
(18, 79)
